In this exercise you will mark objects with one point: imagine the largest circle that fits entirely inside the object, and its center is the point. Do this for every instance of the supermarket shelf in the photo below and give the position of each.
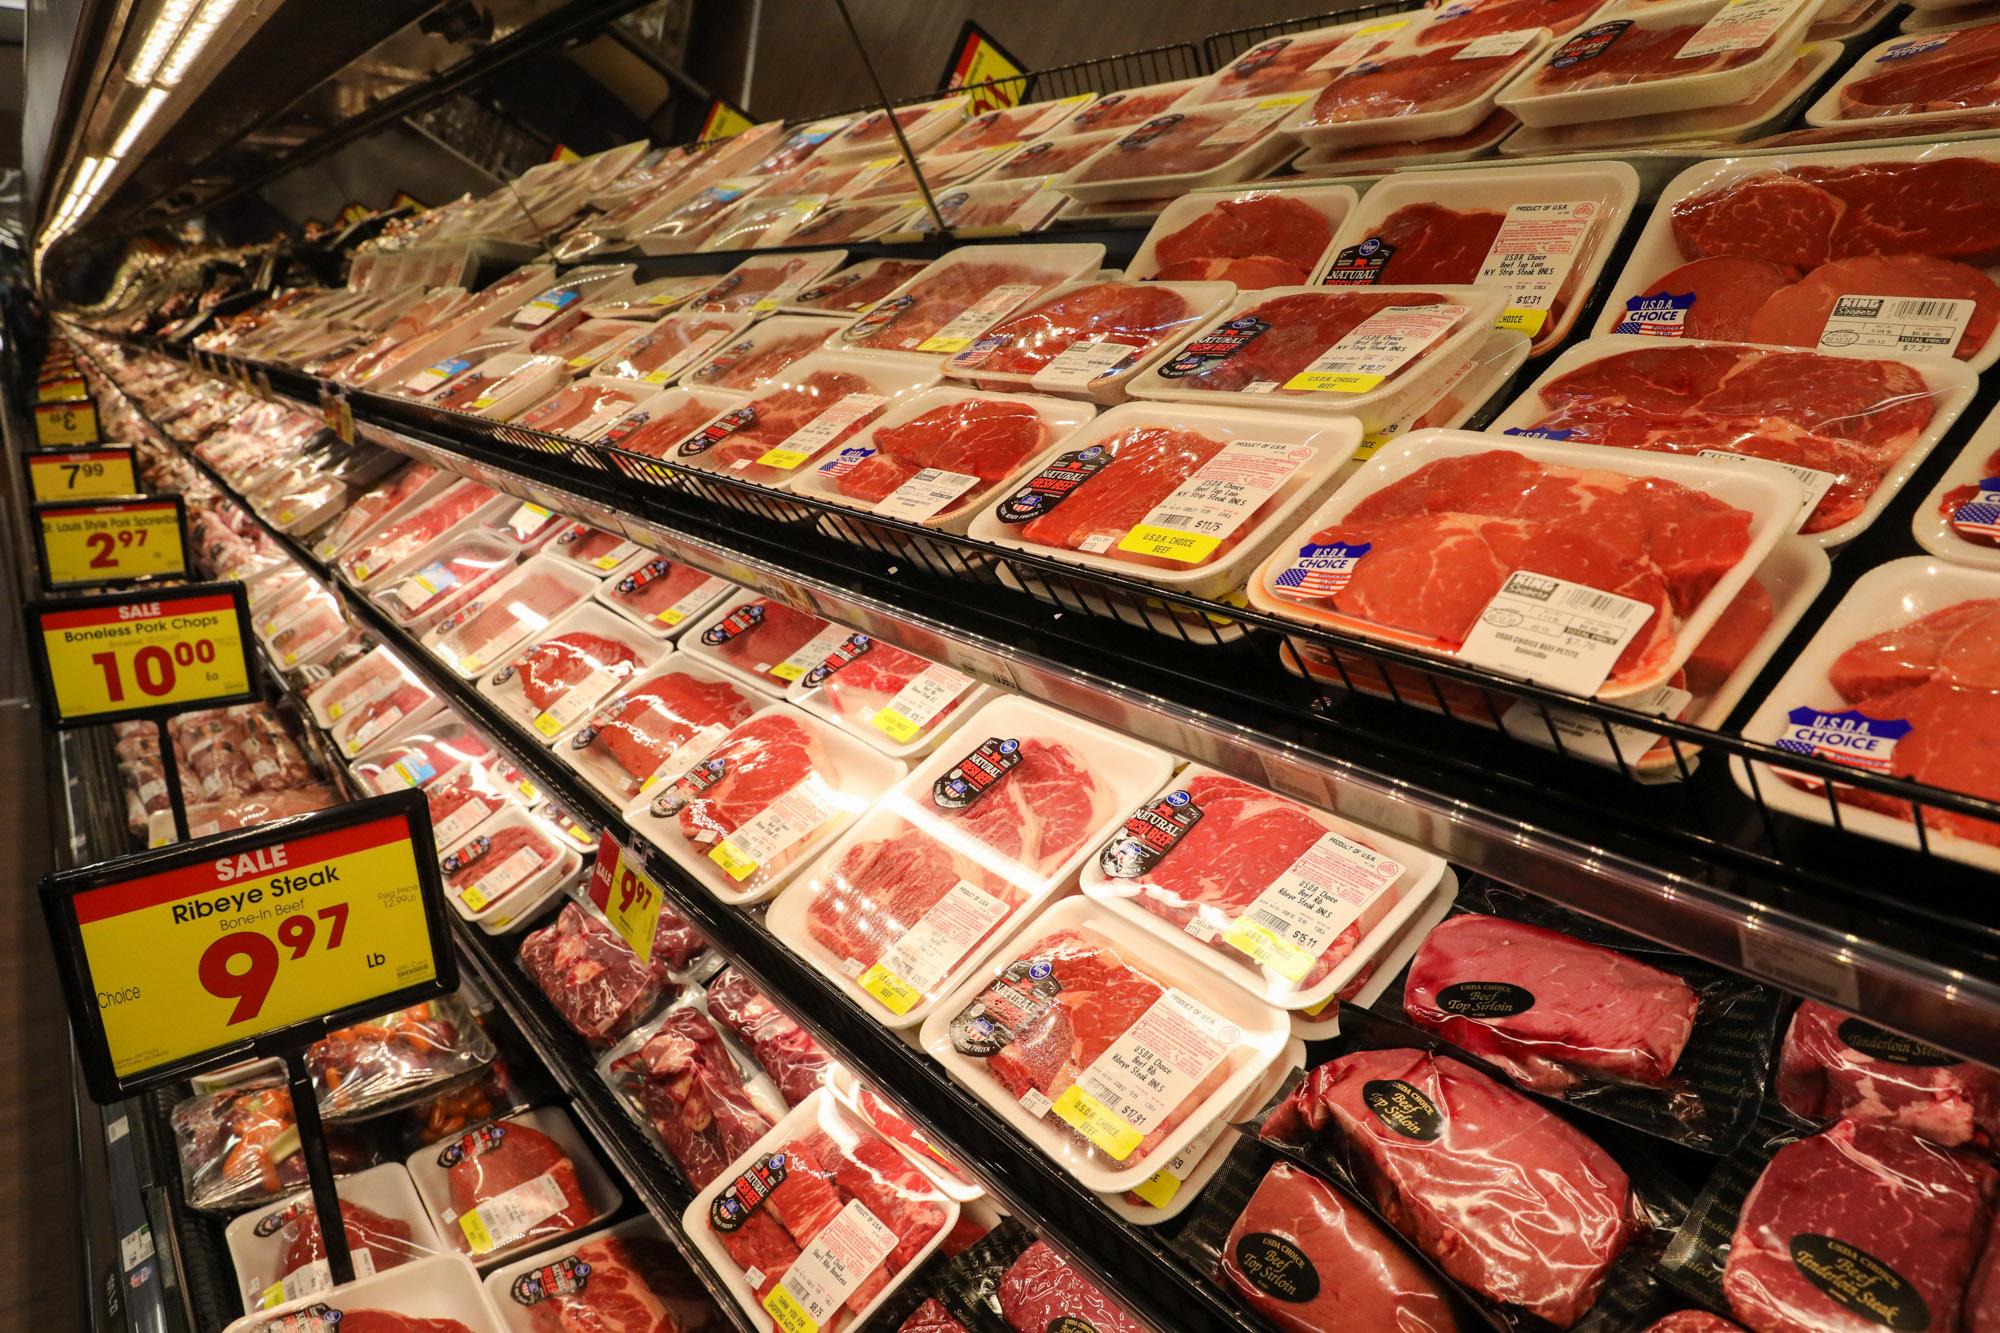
(1908, 938)
(1134, 1261)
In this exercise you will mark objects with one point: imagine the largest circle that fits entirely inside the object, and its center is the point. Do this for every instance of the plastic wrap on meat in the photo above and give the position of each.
(855, 289)
(1286, 64)
(771, 419)
(869, 682)
(671, 342)
(644, 729)
(656, 590)
(786, 1051)
(773, 633)
(754, 362)
(555, 666)
(1835, 1066)
(527, 1170)
(471, 865)
(403, 539)
(1041, 1290)
(579, 411)
(1299, 328)
(637, 1284)
(930, 1317)
(1639, 55)
(975, 437)
(1255, 241)
(1959, 72)
(1436, 78)
(658, 436)
(683, 1077)
(1505, 1196)
(1180, 143)
(1133, 313)
(1466, 19)
(388, 1241)
(238, 1146)
(396, 1057)
(592, 976)
(936, 301)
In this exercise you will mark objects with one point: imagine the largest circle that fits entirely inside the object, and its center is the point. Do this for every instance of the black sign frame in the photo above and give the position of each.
(45, 688)
(45, 576)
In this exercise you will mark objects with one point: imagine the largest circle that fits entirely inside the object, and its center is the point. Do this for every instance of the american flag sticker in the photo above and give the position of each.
(846, 461)
(1981, 514)
(1319, 571)
(1846, 736)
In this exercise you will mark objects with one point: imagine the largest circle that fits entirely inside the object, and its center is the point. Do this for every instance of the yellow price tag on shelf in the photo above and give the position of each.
(897, 995)
(65, 423)
(112, 656)
(733, 862)
(1169, 543)
(109, 542)
(64, 389)
(786, 459)
(81, 474)
(1097, 1123)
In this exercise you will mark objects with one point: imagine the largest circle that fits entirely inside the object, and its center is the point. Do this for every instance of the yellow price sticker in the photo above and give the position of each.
(65, 423)
(1097, 1122)
(787, 1315)
(895, 726)
(143, 651)
(478, 1238)
(1159, 1188)
(64, 389)
(473, 898)
(940, 343)
(271, 1295)
(897, 995)
(204, 956)
(1334, 381)
(788, 671)
(786, 459)
(1190, 548)
(110, 543)
(1370, 442)
(631, 903)
(81, 474)
(1522, 320)
(733, 862)
(1269, 949)
(548, 724)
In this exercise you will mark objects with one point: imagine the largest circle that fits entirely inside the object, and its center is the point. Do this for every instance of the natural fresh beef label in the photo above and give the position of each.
(1014, 1001)
(746, 1194)
(563, 1277)
(975, 775)
(1217, 345)
(1053, 484)
(1152, 831)
(1361, 264)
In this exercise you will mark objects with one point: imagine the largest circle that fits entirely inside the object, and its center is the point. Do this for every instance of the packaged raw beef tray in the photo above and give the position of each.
(1414, 93)
(1299, 62)
(1287, 901)
(1108, 1051)
(1888, 250)
(522, 604)
(512, 1185)
(1479, 141)
(279, 1255)
(1651, 59)
(859, 220)
(852, 290)
(675, 344)
(422, 755)
(586, 409)
(922, 125)
(805, 410)
(506, 869)
(916, 895)
(1216, 144)
(435, 1294)
(627, 1272)
(1374, 353)
(766, 220)
(1889, 685)
(762, 642)
(945, 307)
(1184, 496)
(750, 813)
(1461, 20)
(376, 716)
(643, 737)
(657, 426)
(1013, 124)
(936, 459)
(1919, 81)
(566, 296)
(1541, 235)
(1088, 338)
(698, 1094)
(1960, 519)
(1593, 571)
(502, 387)
(583, 344)
(465, 797)
(592, 548)
(761, 284)
(1850, 426)
(751, 359)
(466, 505)
(898, 702)
(659, 595)
(819, 1222)
(562, 672)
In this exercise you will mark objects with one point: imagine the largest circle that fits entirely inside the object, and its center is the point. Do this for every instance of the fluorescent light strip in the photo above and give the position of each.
(142, 115)
(193, 39)
(159, 40)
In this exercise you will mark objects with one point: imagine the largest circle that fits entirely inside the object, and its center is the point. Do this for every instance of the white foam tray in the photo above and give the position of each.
(590, 617)
(1933, 528)
(1827, 111)
(384, 1189)
(468, 659)
(442, 1287)
(595, 766)
(433, 1187)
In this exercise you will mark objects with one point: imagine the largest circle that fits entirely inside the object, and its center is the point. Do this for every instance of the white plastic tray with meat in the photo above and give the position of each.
(843, 223)
(522, 604)
(1013, 124)
(680, 222)
(373, 717)
(453, 373)
(505, 870)
(1917, 81)
(1106, 1049)
(512, 1185)
(1255, 238)
(503, 386)
(766, 219)
(1413, 92)
(922, 125)
(938, 458)
(750, 360)
(559, 674)
(568, 293)
(656, 427)
(915, 897)
(443, 577)
(948, 305)
(751, 813)
(419, 757)
(1116, 111)
(440, 1294)
(581, 345)
(992, 208)
(675, 344)
(1885, 249)
(465, 797)
(1853, 426)
(1088, 338)
(585, 409)
(1300, 62)
(465, 504)
(1216, 144)
(645, 734)
(762, 283)
(1480, 141)
(648, 300)
(1051, 157)
(310, 629)
(634, 1270)
(279, 1255)
(1184, 496)
(1958, 521)
(852, 290)
(807, 409)
(760, 641)
(591, 548)
(898, 702)
(661, 596)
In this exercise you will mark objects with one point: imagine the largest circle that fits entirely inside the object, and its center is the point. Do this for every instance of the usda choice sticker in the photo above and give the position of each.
(1660, 315)
(1848, 736)
(1319, 571)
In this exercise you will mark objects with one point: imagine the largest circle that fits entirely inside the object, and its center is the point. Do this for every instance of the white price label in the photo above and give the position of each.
(1897, 323)
(1082, 363)
(1377, 348)
(928, 493)
(1813, 482)
(822, 430)
(1252, 123)
(1494, 45)
(1327, 889)
(1204, 511)
(1553, 632)
(1799, 968)
(1532, 255)
(913, 967)
(843, 1255)
(1142, 1077)
(466, 816)
(1584, 736)
(506, 1218)
(957, 335)
(920, 702)
(1358, 45)
(508, 875)
(787, 820)
(1740, 25)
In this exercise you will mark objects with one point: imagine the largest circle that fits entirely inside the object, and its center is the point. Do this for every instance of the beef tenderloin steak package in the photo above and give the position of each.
(1596, 1018)
(1836, 1066)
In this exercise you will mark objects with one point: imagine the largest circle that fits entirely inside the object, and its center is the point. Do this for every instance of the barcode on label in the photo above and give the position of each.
(1187, 522)
(1589, 599)
(1270, 921)
(1916, 308)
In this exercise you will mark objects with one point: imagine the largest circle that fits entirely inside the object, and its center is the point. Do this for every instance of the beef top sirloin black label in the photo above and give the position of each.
(1053, 484)
(740, 620)
(688, 786)
(1404, 1108)
(1485, 999)
(976, 774)
(1151, 832)
(1011, 1004)
(1894, 1047)
(1360, 264)
(1589, 44)
(1277, 1267)
(475, 1144)
(746, 1194)
(1856, 1280)
(565, 1277)
(848, 650)
(1217, 345)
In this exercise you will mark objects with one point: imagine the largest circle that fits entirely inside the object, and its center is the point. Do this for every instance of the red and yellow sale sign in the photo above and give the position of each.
(205, 956)
(111, 542)
(627, 896)
(139, 653)
(81, 474)
(65, 423)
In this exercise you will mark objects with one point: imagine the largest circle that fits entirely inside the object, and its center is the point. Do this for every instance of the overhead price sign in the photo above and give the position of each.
(978, 59)
(83, 543)
(253, 943)
(81, 474)
(115, 656)
(58, 424)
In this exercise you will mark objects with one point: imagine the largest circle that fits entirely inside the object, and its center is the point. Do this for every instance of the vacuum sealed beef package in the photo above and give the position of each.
(1836, 1066)
(687, 1084)
(592, 976)
(784, 1050)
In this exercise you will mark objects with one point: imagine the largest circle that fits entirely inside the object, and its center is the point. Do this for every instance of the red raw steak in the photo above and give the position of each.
(1282, 237)
(591, 975)
(866, 684)
(1042, 1291)
(1302, 326)
(463, 802)
(1796, 315)
(371, 508)
(1566, 1009)
(1726, 293)
(580, 411)
(851, 292)
(1179, 143)
(584, 544)
(1244, 841)
(693, 1093)
(930, 1317)
(520, 1154)
(1780, 218)
(978, 437)
(668, 342)
(637, 1284)
(1285, 64)
(485, 624)
(480, 856)
(1693, 1321)
(1116, 110)
(659, 436)
(555, 666)
(744, 288)
(1907, 1204)
(779, 633)
(761, 760)
(403, 539)
(656, 587)
(1123, 312)
(385, 1321)
(1434, 79)
(1507, 1197)
(644, 728)
(1360, 1276)
(933, 302)
(750, 363)
(1836, 1066)
(774, 416)
(1019, 830)
(1639, 55)
(388, 1241)
(1433, 243)
(1728, 641)
(1148, 462)
(1961, 72)
(787, 1052)
(1463, 19)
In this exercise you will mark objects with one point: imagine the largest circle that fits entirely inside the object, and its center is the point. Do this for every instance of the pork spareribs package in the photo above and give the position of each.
(820, 1220)
(592, 976)
(386, 1063)
(1836, 1066)
(686, 1083)
(1860, 1227)
(1602, 1020)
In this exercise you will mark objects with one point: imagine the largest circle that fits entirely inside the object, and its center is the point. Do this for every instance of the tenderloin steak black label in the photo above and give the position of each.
(1485, 999)
(1151, 832)
(1856, 1280)
(1894, 1047)
(1070, 1323)
(1277, 1267)
(1053, 484)
(565, 1277)
(1011, 1005)
(1404, 1108)
(976, 774)
(746, 1194)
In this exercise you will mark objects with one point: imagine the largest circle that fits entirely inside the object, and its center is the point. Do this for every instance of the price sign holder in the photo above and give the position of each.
(161, 951)
(78, 640)
(77, 474)
(123, 531)
(58, 425)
